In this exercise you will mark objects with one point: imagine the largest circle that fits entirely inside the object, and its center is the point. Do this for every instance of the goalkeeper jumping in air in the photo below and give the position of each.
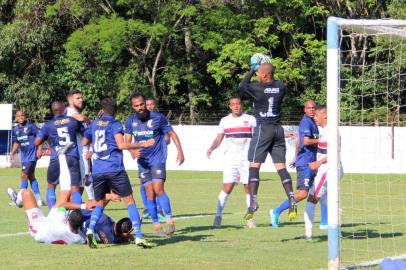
(268, 135)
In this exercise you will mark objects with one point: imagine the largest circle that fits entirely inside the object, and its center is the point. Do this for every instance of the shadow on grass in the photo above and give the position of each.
(161, 241)
(364, 234)
(193, 229)
(318, 238)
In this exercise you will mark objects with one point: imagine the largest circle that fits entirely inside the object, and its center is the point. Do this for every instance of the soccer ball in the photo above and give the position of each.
(258, 59)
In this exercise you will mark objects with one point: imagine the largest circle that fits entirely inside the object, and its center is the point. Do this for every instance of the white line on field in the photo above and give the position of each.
(13, 234)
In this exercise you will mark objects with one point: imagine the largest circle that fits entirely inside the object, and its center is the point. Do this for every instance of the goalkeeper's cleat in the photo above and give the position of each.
(170, 229)
(292, 214)
(91, 239)
(249, 215)
(274, 218)
(142, 243)
(64, 149)
(161, 216)
(217, 222)
(251, 224)
(145, 214)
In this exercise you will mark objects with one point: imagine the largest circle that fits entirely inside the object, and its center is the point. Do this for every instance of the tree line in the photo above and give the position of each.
(189, 55)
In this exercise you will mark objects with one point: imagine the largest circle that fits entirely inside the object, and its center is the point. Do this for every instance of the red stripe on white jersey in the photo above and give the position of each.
(238, 130)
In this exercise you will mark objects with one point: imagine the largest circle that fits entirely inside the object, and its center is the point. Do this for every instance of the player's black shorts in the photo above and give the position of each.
(74, 171)
(118, 182)
(147, 174)
(28, 167)
(305, 177)
(267, 138)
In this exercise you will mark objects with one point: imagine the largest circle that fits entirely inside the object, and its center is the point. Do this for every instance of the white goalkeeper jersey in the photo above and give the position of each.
(55, 229)
(237, 133)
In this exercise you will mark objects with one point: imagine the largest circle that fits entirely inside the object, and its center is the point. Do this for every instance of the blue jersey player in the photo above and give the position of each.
(141, 126)
(61, 131)
(23, 136)
(106, 136)
(306, 151)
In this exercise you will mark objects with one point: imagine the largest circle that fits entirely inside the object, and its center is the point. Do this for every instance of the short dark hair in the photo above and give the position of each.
(321, 108)
(137, 95)
(234, 97)
(109, 105)
(150, 98)
(73, 92)
(124, 225)
(75, 219)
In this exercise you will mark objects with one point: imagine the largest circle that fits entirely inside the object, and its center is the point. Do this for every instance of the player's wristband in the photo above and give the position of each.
(83, 206)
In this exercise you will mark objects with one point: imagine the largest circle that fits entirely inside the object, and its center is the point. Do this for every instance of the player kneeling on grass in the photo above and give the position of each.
(106, 136)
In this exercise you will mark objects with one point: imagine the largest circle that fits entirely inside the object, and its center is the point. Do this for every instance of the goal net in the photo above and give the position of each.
(366, 100)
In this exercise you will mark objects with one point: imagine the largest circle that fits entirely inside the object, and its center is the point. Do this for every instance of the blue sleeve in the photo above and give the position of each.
(88, 133)
(305, 129)
(128, 126)
(14, 136)
(116, 127)
(43, 133)
(34, 129)
(165, 126)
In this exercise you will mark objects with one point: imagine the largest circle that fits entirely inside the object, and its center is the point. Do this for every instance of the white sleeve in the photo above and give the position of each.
(221, 126)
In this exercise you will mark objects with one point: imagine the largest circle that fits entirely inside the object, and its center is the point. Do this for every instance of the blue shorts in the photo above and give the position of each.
(147, 174)
(28, 167)
(74, 171)
(305, 177)
(118, 182)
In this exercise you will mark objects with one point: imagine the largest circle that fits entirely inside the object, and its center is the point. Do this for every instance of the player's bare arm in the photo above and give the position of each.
(81, 118)
(216, 143)
(316, 164)
(180, 158)
(307, 141)
(14, 150)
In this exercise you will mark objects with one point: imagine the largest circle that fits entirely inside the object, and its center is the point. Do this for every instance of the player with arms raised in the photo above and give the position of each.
(268, 135)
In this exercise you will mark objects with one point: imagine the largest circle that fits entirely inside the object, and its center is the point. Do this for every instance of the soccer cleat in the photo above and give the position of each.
(40, 203)
(91, 239)
(161, 216)
(274, 218)
(142, 243)
(217, 222)
(249, 215)
(170, 229)
(256, 206)
(65, 148)
(323, 226)
(251, 224)
(12, 194)
(292, 214)
(145, 214)
(158, 230)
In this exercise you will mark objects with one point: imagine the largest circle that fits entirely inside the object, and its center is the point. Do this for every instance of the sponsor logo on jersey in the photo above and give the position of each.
(61, 121)
(102, 123)
(146, 133)
(271, 90)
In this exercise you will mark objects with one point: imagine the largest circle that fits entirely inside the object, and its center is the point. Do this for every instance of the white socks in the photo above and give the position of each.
(221, 202)
(247, 199)
(308, 219)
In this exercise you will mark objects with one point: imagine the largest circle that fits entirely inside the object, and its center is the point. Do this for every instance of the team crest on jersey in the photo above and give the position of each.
(135, 124)
(246, 123)
(25, 130)
(149, 123)
(62, 122)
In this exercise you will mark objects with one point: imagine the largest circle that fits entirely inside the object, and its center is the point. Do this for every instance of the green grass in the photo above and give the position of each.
(196, 245)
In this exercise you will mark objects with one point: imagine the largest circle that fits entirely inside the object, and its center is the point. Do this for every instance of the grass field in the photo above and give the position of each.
(196, 245)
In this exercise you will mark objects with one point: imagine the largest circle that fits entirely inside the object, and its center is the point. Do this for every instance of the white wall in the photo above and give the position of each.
(363, 150)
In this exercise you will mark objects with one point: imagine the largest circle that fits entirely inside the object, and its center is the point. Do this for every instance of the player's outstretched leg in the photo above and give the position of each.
(90, 235)
(308, 219)
(136, 223)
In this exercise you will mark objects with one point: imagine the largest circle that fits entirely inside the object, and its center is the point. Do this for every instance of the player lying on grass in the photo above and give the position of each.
(108, 172)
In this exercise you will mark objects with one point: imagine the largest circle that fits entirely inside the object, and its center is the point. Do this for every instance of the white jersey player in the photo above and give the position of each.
(318, 191)
(59, 227)
(236, 128)
(75, 102)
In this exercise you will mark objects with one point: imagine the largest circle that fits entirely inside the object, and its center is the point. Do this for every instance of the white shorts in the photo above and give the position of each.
(236, 172)
(35, 220)
(319, 187)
